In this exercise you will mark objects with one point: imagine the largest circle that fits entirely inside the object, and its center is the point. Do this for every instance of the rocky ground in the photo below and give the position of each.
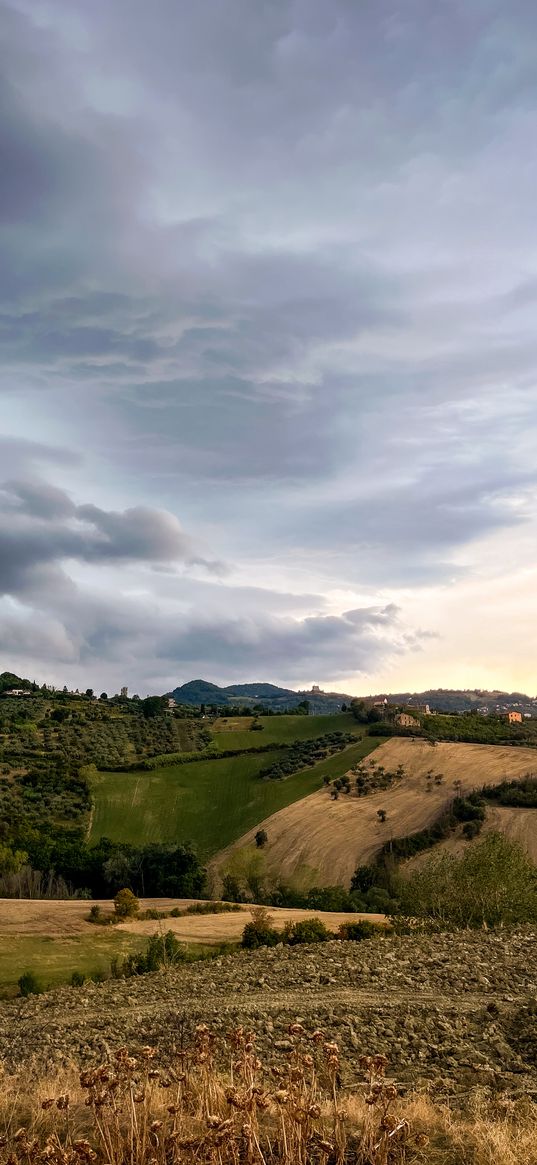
(456, 1010)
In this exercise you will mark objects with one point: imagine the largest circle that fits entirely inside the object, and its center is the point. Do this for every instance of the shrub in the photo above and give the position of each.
(358, 931)
(261, 838)
(260, 932)
(78, 979)
(308, 930)
(126, 904)
(29, 984)
(95, 914)
(471, 829)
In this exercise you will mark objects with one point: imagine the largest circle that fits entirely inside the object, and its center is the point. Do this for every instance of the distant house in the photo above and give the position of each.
(17, 692)
(423, 708)
(171, 702)
(513, 717)
(406, 721)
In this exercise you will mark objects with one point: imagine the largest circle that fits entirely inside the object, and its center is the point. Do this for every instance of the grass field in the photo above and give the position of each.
(330, 838)
(212, 802)
(53, 959)
(235, 732)
(53, 939)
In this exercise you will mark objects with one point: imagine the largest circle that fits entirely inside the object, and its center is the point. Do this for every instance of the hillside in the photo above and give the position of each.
(323, 841)
(250, 695)
(277, 699)
(462, 700)
(213, 801)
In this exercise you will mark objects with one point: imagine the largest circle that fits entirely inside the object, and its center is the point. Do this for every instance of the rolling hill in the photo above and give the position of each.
(324, 840)
(213, 801)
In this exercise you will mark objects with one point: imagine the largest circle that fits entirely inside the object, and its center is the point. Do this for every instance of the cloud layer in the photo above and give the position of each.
(267, 295)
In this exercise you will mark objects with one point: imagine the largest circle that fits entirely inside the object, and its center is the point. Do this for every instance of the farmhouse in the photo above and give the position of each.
(406, 721)
(513, 717)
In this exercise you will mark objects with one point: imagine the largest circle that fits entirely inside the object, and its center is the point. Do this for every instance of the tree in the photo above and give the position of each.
(126, 904)
(261, 838)
(104, 696)
(154, 706)
(89, 693)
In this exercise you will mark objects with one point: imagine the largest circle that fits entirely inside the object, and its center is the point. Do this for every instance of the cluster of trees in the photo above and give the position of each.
(303, 754)
(522, 794)
(81, 732)
(369, 778)
(493, 884)
(260, 932)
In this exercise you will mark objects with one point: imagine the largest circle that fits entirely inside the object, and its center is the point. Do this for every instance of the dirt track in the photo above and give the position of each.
(330, 838)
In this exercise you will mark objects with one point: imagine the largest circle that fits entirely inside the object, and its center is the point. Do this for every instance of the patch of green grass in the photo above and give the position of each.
(210, 803)
(53, 960)
(282, 730)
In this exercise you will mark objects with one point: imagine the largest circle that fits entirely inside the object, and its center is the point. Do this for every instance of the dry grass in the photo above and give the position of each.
(63, 919)
(518, 825)
(330, 838)
(59, 920)
(131, 1110)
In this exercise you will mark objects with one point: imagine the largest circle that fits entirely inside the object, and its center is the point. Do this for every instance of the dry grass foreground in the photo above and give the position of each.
(283, 1110)
(69, 919)
(331, 838)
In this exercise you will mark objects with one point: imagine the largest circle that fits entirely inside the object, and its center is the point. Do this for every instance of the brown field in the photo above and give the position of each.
(328, 839)
(68, 919)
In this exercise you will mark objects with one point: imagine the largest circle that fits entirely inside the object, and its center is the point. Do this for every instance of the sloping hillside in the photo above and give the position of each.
(330, 838)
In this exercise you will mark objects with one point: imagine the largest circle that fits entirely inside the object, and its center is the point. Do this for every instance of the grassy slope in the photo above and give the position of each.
(213, 802)
(232, 732)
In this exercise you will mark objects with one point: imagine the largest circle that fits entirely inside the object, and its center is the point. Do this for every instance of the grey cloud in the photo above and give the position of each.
(41, 528)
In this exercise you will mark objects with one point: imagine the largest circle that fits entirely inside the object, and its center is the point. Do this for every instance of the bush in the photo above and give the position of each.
(471, 829)
(260, 932)
(126, 904)
(29, 984)
(358, 931)
(78, 979)
(261, 838)
(308, 930)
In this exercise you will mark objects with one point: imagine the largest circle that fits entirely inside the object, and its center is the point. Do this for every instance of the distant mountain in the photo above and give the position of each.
(462, 700)
(278, 699)
(269, 695)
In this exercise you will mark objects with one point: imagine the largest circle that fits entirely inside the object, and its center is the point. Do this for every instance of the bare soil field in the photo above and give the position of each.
(455, 1009)
(330, 838)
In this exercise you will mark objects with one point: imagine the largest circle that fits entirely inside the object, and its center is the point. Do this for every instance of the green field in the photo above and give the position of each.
(211, 803)
(53, 959)
(280, 729)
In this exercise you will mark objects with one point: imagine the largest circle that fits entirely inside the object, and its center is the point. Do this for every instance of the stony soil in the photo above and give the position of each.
(459, 1010)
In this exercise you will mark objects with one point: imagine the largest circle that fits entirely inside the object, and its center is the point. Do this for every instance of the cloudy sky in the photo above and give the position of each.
(268, 280)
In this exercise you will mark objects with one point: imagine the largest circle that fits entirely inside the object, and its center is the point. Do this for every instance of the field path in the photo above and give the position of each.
(330, 838)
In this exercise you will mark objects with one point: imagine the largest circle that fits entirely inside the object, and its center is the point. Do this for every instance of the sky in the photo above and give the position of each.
(268, 284)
